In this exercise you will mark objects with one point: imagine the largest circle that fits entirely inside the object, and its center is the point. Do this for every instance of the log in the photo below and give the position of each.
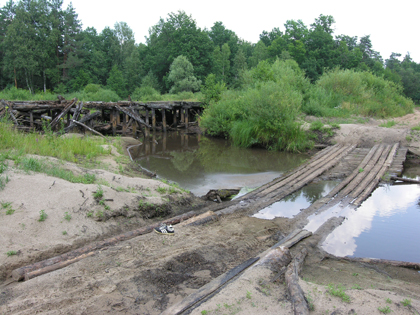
(20, 273)
(375, 261)
(207, 289)
(406, 180)
(132, 115)
(385, 166)
(56, 266)
(76, 115)
(89, 117)
(88, 128)
(299, 302)
(63, 112)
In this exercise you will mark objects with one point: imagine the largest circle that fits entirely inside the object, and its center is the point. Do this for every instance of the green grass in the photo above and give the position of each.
(30, 164)
(10, 211)
(42, 216)
(161, 190)
(385, 310)
(67, 216)
(339, 292)
(356, 287)
(416, 127)
(64, 232)
(388, 124)
(11, 253)
(99, 193)
(71, 149)
(388, 300)
(406, 302)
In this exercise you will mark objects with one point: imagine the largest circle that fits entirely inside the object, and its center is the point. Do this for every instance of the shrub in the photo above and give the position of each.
(145, 94)
(265, 112)
(340, 93)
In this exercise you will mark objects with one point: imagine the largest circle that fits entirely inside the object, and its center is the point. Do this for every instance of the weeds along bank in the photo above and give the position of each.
(267, 110)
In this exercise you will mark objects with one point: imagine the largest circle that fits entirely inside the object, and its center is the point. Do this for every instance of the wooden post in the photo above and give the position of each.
(114, 121)
(174, 115)
(103, 114)
(182, 115)
(186, 118)
(153, 119)
(31, 119)
(125, 121)
(154, 142)
(164, 119)
(118, 116)
(147, 130)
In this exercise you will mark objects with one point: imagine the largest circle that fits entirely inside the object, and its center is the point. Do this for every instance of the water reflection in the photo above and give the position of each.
(199, 163)
(384, 226)
(301, 199)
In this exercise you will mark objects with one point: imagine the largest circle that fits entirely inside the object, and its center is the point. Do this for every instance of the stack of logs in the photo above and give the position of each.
(104, 118)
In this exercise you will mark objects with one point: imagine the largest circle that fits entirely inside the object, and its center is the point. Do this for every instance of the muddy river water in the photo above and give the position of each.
(385, 226)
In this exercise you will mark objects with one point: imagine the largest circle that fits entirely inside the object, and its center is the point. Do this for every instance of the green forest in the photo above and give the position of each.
(44, 48)
(254, 92)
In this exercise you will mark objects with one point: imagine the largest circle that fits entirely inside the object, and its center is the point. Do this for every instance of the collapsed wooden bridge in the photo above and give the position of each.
(105, 118)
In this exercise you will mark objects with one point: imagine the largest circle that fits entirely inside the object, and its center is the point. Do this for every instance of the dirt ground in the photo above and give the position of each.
(151, 272)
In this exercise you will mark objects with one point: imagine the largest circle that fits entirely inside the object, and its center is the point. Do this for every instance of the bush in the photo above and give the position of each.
(265, 112)
(145, 94)
(340, 93)
(14, 94)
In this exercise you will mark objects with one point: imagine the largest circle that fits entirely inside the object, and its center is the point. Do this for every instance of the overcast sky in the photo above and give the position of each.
(393, 26)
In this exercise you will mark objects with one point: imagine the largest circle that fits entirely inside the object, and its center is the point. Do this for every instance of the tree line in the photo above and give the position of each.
(43, 47)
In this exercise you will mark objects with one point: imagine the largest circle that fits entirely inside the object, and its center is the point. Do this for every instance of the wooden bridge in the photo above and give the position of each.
(125, 117)
(362, 169)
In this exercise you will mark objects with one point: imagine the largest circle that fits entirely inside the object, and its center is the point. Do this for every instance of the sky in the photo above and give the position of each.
(393, 26)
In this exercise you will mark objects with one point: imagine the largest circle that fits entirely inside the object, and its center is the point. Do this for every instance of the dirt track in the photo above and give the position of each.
(148, 273)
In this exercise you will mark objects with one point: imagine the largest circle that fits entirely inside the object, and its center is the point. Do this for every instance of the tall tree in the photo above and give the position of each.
(181, 74)
(177, 35)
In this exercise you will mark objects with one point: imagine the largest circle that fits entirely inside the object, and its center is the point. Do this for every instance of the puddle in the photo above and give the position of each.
(198, 163)
(385, 226)
(294, 203)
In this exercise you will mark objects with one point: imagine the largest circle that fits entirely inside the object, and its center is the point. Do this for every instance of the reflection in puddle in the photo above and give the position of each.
(385, 226)
(198, 163)
(301, 199)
